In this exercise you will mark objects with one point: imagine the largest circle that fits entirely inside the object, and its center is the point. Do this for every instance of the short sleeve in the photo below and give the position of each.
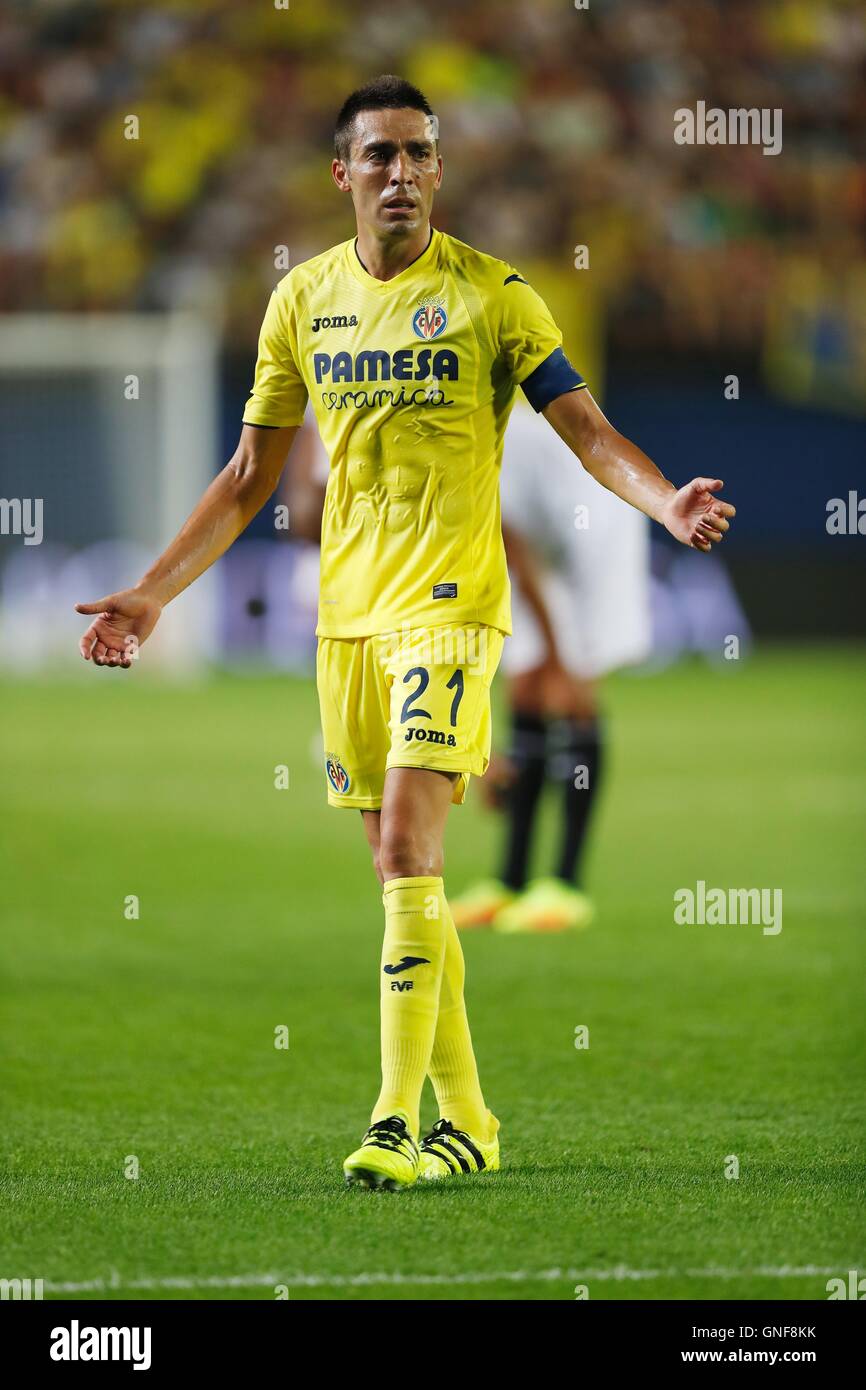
(279, 394)
(531, 344)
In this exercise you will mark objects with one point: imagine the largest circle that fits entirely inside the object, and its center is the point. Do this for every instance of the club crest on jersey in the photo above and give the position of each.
(337, 774)
(430, 318)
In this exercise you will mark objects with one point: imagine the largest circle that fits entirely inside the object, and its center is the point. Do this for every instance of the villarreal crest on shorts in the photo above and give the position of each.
(420, 698)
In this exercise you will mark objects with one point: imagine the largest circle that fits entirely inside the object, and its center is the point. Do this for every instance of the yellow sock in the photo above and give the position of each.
(453, 1069)
(410, 977)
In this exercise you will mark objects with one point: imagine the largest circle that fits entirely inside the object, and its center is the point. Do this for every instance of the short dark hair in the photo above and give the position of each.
(386, 92)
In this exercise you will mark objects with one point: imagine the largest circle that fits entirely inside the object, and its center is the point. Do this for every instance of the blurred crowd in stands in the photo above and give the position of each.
(557, 128)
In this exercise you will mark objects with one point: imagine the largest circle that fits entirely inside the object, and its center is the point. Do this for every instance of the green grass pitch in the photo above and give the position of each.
(258, 908)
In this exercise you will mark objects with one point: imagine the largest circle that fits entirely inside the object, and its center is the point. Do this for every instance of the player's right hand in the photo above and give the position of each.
(123, 621)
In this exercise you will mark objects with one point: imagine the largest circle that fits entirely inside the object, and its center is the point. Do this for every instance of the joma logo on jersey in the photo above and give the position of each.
(409, 364)
(336, 321)
(431, 736)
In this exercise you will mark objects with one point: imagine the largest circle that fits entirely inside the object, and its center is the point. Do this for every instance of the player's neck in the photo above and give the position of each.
(383, 259)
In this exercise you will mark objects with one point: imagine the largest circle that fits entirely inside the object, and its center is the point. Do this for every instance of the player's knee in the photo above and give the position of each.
(403, 854)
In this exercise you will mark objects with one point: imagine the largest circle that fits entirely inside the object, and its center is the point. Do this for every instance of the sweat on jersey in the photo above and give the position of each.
(412, 381)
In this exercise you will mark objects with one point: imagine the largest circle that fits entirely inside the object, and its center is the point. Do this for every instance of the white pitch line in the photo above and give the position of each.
(510, 1276)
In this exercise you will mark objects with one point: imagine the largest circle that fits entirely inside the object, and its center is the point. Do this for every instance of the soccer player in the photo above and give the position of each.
(579, 560)
(410, 346)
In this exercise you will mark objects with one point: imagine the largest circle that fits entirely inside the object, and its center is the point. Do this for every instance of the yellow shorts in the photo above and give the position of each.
(418, 698)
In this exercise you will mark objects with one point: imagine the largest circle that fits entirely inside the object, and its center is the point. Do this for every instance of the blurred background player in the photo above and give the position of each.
(578, 558)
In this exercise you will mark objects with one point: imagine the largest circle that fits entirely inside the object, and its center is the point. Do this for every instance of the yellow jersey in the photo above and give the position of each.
(411, 381)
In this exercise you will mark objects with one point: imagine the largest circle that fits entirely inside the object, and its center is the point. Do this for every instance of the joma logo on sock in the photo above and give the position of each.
(431, 736)
(406, 963)
(77, 1343)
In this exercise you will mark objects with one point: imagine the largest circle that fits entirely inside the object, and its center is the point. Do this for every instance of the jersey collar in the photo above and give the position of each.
(420, 265)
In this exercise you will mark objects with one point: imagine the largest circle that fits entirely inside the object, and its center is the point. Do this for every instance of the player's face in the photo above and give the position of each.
(393, 171)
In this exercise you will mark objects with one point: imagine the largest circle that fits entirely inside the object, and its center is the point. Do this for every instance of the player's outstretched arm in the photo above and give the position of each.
(691, 513)
(124, 620)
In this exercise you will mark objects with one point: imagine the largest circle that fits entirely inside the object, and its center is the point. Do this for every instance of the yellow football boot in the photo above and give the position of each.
(387, 1160)
(447, 1152)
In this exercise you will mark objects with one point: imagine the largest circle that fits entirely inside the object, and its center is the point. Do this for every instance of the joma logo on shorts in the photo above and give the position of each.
(336, 321)
(431, 736)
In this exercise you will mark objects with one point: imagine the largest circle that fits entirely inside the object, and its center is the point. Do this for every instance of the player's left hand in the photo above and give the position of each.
(121, 622)
(695, 517)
